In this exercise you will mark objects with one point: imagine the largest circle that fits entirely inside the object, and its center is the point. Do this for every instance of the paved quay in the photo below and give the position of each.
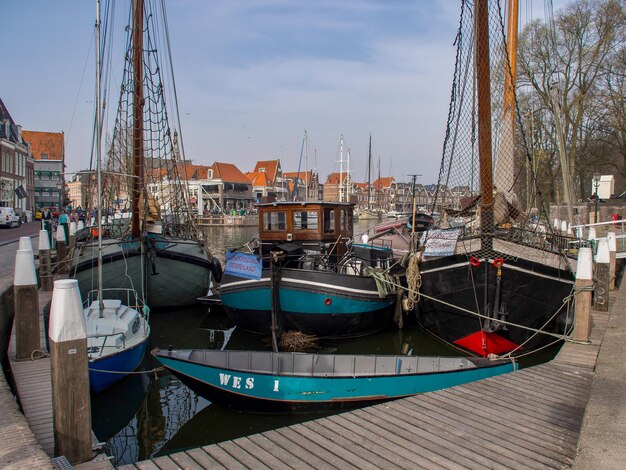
(569, 413)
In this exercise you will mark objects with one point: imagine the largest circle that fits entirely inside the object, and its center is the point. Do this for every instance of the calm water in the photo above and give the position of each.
(154, 414)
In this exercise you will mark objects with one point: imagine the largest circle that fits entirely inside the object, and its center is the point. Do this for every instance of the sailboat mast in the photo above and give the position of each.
(138, 104)
(484, 120)
(306, 166)
(369, 173)
(99, 157)
(341, 168)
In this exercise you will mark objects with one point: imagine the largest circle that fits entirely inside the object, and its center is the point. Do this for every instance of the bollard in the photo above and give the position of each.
(25, 244)
(601, 302)
(80, 225)
(61, 249)
(45, 261)
(612, 241)
(564, 227)
(71, 403)
(584, 282)
(26, 305)
(72, 240)
(557, 224)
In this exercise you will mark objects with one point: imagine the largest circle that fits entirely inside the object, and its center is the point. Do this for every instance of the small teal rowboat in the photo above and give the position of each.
(290, 382)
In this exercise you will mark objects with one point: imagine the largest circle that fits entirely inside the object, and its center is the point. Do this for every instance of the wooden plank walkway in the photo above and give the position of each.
(34, 386)
(528, 419)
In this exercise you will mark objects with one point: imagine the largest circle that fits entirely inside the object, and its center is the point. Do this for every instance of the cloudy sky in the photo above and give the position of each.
(252, 75)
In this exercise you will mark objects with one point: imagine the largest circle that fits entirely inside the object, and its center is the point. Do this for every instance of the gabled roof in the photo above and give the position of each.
(9, 132)
(383, 183)
(336, 178)
(258, 178)
(49, 143)
(270, 167)
(228, 172)
(361, 185)
(196, 172)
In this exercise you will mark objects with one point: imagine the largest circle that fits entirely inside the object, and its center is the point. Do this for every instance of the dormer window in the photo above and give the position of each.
(210, 173)
(44, 156)
(262, 170)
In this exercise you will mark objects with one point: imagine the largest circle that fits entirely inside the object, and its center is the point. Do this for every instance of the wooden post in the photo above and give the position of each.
(584, 281)
(71, 405)
(591, 236)
(72, 240)
(45, 261)
(61, 249)
(26, 304)
(80, 225)
(612, 241)
(25, 244)
(602, 277)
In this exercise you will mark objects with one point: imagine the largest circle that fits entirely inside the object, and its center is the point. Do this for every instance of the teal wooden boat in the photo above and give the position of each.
(291, 382)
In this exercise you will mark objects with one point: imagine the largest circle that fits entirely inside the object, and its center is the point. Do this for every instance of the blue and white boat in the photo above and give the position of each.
(291, 382)
(117, 336)
(304, 274)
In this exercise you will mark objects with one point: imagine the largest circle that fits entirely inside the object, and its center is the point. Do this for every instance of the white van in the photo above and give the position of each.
(8, 218)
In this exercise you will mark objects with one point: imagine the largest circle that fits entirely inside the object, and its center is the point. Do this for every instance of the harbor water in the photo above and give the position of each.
(153, 414)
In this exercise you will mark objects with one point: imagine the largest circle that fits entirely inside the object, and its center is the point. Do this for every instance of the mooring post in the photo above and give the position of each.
(71, 403)
(61, 249)
(584, 282)
(26, 305)
(72, 239)
(25, 244)
(612, 241)
(592, 238)
(602, 276)
(80, 225)
(45, 261)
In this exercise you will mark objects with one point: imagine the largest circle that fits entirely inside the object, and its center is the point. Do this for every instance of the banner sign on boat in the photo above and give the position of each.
(441, 242)
(243, 265)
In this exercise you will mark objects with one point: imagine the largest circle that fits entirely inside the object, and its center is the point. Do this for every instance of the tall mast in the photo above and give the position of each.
(138, 104)
(341, 168)
(484, 121)
(348, 179)
(306, 166)
(369, 173)
(99, 158)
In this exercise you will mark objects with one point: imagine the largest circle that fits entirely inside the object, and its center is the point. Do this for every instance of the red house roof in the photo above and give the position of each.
(229, 173)
(50, 144)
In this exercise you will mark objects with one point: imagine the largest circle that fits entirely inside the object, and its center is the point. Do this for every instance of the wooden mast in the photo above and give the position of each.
(484, 121)
(138, 104)
(369, 173)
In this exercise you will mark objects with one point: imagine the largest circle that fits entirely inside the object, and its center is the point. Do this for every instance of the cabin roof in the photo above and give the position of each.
(305, 203)
(45, 143)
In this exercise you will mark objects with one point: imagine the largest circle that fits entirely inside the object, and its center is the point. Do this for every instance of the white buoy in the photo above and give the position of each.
(602, 276)
(26, 305)
(45, 261)
(365, 238)
(584, 282)
(71, 403)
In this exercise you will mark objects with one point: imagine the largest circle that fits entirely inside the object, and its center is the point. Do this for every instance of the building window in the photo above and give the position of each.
(44, 156)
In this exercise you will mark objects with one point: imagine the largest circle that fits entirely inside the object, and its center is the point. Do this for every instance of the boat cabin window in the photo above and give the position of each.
(342, 220)
(329, 220)
(305, 220)
(275, 221)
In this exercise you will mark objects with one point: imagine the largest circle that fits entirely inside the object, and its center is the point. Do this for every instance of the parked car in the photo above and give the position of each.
(8, 218)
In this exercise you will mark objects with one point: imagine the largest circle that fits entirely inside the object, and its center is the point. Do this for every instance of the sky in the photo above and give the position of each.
(253, 75)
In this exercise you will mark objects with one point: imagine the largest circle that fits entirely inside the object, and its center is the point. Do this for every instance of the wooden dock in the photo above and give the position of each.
(528, 419)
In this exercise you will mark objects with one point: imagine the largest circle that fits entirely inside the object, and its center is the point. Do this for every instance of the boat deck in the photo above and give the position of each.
(528, 419)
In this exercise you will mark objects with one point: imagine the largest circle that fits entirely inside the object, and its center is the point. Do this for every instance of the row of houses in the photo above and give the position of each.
(32, 176)
(33, 162)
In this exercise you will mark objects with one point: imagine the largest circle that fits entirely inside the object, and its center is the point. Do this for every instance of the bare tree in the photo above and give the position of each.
(579, 57)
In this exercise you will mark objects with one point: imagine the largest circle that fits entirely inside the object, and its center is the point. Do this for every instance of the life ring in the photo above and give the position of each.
(498, 262)
(216, 270)
(474, 261)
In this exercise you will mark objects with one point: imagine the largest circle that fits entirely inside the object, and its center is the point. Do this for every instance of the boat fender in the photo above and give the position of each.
(498, 262)
(474, 261)
(216, 270)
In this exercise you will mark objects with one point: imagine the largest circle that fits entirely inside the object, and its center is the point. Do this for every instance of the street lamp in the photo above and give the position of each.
(596, 184)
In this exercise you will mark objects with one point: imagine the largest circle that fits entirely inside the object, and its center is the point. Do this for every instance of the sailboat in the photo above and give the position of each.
(501, 285)
(116, 320)
(369, 213)
(151, 240)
